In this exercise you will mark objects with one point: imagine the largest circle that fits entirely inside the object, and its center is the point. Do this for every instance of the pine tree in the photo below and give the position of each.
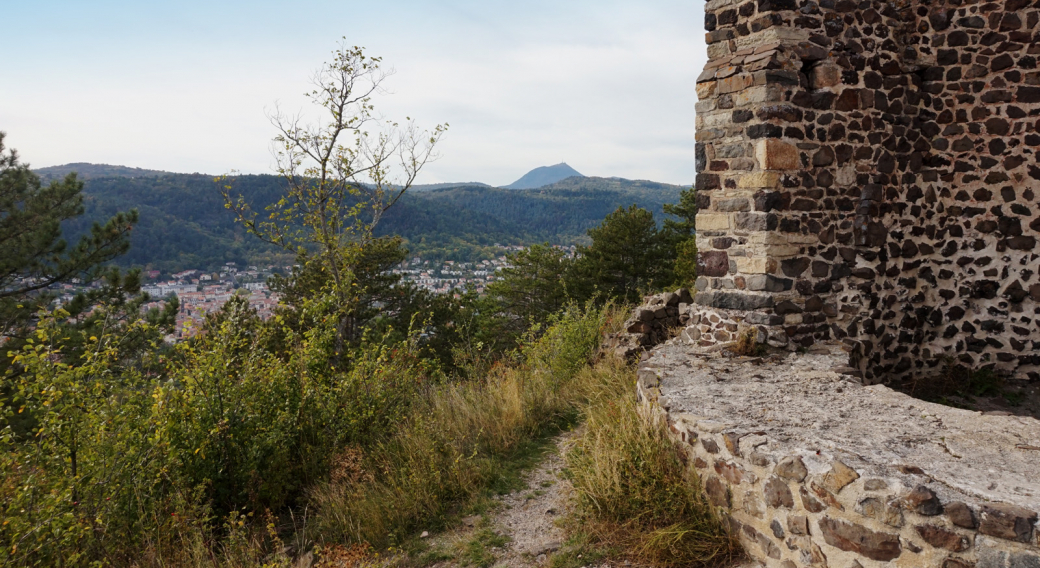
(35, 256)
(628, 256)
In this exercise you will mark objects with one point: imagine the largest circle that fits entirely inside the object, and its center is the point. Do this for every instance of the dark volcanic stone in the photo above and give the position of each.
(961, 515)
(794, 267)
(850, 537)
(733, 301)
(787, 307)
(713, 263)
(942, 538)
(923, 501)
(1007, 521)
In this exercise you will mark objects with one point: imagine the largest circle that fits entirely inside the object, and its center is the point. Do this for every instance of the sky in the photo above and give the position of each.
(187, 86)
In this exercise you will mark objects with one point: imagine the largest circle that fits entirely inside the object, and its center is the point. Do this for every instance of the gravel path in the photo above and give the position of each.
(528, 518)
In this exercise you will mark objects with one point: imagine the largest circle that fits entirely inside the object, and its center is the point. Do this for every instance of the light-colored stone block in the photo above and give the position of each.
(772, 35)
(719, 49)
(706, 90)
(752, 265)
(775, 154)
(712, 222)
(735, 83)
(756, 180)
(758, 95)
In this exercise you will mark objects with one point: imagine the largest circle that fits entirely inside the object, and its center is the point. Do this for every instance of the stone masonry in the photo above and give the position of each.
(867, 173)
(812, 468)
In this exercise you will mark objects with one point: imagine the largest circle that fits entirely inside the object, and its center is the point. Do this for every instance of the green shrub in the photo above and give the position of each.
(455, 441)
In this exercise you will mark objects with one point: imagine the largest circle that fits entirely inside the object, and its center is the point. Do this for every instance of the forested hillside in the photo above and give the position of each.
(183, 223)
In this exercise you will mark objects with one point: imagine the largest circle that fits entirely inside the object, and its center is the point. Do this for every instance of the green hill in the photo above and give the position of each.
(88, 171)
(183, 222)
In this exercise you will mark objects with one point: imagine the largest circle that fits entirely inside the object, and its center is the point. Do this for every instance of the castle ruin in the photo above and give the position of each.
(867, 173)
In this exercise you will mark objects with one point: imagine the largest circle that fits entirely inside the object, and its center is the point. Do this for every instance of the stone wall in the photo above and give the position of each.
(811, 468)
(867, 173)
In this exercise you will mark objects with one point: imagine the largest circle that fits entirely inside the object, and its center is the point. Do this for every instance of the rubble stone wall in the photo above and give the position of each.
(867, 173)
(811, 468)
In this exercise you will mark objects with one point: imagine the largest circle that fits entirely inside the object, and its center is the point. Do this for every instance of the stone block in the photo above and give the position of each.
(961, 515)
(825, 74)
(747, 265)
(712, 222)
(773, 154)
(851, 537)
(838, 477)
(713, 263)
(1007, 521)
(767, 283)
(758, 180)
(791, 468)
(777, 494)
(717, 492)
(923, 501)
(940, 537)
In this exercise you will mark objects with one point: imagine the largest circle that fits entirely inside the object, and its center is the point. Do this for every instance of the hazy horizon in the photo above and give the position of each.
(605, 87)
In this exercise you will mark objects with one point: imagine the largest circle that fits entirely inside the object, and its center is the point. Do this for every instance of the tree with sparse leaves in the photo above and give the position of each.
(341, 175)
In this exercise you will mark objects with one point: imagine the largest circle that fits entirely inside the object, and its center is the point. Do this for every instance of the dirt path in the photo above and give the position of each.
(528, 517)
(522, 529)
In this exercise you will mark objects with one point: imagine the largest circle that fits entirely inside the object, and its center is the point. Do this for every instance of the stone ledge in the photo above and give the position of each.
(813, 468)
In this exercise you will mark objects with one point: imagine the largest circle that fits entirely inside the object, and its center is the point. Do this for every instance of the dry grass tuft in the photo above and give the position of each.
(634, 490)
(747, 344)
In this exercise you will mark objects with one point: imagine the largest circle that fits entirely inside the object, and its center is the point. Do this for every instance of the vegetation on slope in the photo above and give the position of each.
(361, 411)
(183, 223)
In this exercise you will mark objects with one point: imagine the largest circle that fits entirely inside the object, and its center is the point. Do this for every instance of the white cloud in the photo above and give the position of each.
(607, 88)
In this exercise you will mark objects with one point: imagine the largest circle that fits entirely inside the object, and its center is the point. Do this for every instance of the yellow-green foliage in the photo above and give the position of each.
(455, 440)
(634, 489)
(123, 468)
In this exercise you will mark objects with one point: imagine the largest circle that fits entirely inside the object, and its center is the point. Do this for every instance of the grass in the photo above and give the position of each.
(634, 491)
(579, 550)
(478, 550)
(747, 343)
(464, 442)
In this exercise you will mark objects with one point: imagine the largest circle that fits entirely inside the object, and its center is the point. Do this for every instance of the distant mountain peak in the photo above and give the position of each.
(543, 176)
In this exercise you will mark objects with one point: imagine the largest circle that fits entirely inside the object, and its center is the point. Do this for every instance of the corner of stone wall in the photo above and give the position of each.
(867, 172)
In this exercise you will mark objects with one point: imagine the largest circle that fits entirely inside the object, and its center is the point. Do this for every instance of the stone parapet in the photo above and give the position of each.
(813, 469)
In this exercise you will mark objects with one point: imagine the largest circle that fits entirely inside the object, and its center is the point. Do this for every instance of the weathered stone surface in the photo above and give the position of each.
(730, 471)
(1007, 521)
(717, 492)
(876, 508)
(838, 477)
(773, 154)
(940, 537)
(923, 501)
(713, 263)
(961, 515)
(778, 494)
(798, 524)
(861, 540)
(792, 468)
(986, 468)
